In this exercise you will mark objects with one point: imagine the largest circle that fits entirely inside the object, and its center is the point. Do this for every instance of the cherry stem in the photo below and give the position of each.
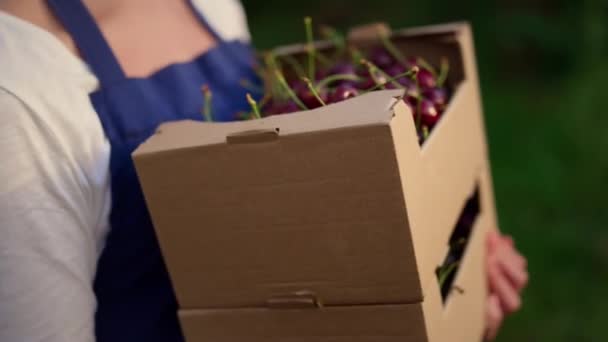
(443, 71)
(409, 73)
(444, 272)
(373, 69)
(288, 90)
(313, 90)
(458, 243)
(356, 54)
(270, 61)
(295, 65)
(324, 60)
(310, 47)
(245, 83)
(425, 132)
(418, 103)
(391, 48)
(423, 63)
(207, 105)
(335, 37)
(254, 106)
(264, 100)
(337, 77)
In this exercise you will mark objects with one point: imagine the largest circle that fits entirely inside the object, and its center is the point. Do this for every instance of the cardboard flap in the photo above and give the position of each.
(371, 108)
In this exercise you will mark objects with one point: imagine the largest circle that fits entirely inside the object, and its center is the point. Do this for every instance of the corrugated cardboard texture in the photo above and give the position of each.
(320, 211)
(385, 323)
(460, 319)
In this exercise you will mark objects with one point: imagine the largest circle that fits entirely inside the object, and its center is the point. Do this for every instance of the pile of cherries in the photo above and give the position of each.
(318, 80)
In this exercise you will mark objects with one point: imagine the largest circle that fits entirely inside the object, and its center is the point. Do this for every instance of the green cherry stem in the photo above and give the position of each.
(337, 77)
(254, 106)
(356, 55)
(413, 71)
(444, 69)
(425, 132)
(313, 90)
(270, 61)
(207, 105)
(323, 59)
(418, 104)
(423, 63)
(288, 90)
(391, 48)
(295, 65)
(310, 47)
(373, 69)
(445, 271)
(336, 38)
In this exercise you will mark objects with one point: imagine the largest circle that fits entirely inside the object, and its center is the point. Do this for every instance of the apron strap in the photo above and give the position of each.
(89, 39)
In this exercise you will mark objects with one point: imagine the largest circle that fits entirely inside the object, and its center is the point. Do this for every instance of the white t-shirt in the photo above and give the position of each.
(55, 181)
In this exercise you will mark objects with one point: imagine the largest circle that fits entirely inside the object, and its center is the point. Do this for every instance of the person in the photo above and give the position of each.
(82, 83)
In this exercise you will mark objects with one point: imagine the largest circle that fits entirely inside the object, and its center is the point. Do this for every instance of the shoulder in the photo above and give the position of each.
(32, 58)
(42, 80)
(226, 17)
(47, 122)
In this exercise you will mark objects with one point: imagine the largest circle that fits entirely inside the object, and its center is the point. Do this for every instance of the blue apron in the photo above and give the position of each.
(135, 298)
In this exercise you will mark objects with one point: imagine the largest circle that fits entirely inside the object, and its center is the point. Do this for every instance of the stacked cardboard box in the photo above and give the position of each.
(327, 225)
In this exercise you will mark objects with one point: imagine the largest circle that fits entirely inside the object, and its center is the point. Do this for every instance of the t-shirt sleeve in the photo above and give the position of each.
(226, 17)
(48, 248)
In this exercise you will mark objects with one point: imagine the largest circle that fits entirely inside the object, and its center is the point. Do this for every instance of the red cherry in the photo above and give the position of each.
(343, 92)
(381, 58)
(426, 79)
(429, 113)
(438, 96)
(321, 74)
(310, 100)
(343, 68)
(366, 83)
(280, 108)
(394, 70)
(411, 102)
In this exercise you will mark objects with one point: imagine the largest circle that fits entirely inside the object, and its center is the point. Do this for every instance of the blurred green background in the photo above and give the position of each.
(544, 69)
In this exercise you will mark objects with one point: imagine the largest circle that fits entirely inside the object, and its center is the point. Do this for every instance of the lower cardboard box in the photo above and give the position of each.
(456, 318)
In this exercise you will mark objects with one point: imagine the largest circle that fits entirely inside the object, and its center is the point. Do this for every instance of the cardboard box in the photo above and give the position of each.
(329, 224)
(460, 318)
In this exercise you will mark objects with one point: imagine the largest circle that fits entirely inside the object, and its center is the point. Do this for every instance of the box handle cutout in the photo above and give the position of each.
(459, 241)
(296, 300)
(252, 137)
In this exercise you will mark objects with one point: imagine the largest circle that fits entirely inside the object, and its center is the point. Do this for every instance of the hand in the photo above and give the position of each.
(507, 272)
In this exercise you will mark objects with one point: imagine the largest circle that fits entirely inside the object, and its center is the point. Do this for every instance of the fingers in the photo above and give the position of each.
(508, 240)
(514, 267)
(500, 286)
(494, 317)
(493, 240)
